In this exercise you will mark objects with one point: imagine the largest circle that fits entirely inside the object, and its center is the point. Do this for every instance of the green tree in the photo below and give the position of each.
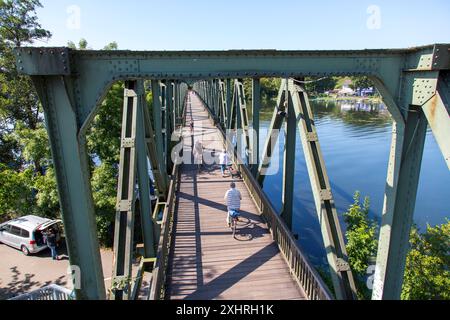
(427, 271)
(16, 193)
(18, 99)
(361, 82)
(23, 140)
(361, 241)
(316, 86)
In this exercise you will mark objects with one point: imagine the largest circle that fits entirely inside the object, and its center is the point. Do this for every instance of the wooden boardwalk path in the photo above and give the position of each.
(206, 262)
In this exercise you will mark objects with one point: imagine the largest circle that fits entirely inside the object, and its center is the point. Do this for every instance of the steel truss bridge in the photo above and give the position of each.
(207, 87)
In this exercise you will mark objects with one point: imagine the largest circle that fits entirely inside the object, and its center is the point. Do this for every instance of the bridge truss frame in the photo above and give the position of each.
(414, 84)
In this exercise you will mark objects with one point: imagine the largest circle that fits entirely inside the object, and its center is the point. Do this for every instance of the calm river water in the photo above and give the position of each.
(355, 140)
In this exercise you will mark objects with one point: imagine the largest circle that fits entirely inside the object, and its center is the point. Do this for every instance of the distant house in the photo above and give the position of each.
(365, 91)
(346, 90)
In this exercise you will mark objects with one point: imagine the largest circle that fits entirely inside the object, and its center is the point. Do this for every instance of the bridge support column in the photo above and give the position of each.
(406, 156)
(223, 105)
(289, 163)
(242, 119)
(71, 164)
(228, 105)
(256, 101)
(424, 100)
(145, 205)
(272, 134)
(169, 124)
(124, 225)
(158, 119)
(341, 274)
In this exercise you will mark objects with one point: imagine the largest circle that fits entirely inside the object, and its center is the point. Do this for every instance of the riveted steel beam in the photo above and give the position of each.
(169, 107)
(157, 122)
(70, 159)
(273, 132)
(159, 172)
(223, 104)
(418, 99)
(124, 224)
(343, 282)
(145, 205)
(256, 104)
(229, 104)
(287, 193)
(400, 195)
(242, 118)
(437, 111)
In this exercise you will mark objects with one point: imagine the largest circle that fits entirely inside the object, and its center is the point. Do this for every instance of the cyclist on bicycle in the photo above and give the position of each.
(233, 199)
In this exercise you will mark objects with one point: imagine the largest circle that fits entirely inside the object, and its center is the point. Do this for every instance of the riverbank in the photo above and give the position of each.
(368, 99)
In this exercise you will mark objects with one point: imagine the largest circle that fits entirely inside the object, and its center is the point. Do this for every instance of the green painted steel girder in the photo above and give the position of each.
(161, 180)
(70, 158)
(256, 104)
(242, 118)
(145, 205)
(102, 68)
(287, 192)
(421, 92)
(342, 277)
(273, 132)
(157, 121)
(126, 196)
(72, 84)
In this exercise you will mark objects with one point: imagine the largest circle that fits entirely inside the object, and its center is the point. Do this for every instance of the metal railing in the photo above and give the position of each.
(304, 273)
(157, 290)
(51, 292)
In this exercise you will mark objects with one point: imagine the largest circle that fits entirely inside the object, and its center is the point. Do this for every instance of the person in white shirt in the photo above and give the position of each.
(224, 160)
(233, 200)
(198, 153)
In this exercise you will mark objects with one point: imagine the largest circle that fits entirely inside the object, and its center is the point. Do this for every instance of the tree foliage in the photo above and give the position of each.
(315, 86)
(23, 141)
(427, 271)
(26, 169)
(361, 241)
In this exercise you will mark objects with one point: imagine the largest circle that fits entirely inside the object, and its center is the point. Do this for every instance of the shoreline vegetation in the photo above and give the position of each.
(367, 99)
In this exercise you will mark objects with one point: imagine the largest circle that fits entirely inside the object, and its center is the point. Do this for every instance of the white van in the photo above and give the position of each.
(25, 233)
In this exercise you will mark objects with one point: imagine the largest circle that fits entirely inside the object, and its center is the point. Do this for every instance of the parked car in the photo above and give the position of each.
(26, 233)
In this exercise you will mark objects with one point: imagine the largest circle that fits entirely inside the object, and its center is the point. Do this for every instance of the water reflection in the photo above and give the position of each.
(355, 113)
(355, 139)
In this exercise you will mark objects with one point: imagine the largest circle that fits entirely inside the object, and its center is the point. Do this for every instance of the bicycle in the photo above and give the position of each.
(234, 214)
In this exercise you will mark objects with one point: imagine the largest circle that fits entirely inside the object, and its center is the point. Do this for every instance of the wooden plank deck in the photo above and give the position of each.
(206, 262)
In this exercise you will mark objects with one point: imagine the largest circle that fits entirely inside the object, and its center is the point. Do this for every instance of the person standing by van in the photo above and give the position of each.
(50, 240)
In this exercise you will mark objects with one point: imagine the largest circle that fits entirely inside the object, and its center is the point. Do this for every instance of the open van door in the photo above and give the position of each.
(48, 224)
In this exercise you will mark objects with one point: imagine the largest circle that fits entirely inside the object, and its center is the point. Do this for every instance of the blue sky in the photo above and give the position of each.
(251, 24)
